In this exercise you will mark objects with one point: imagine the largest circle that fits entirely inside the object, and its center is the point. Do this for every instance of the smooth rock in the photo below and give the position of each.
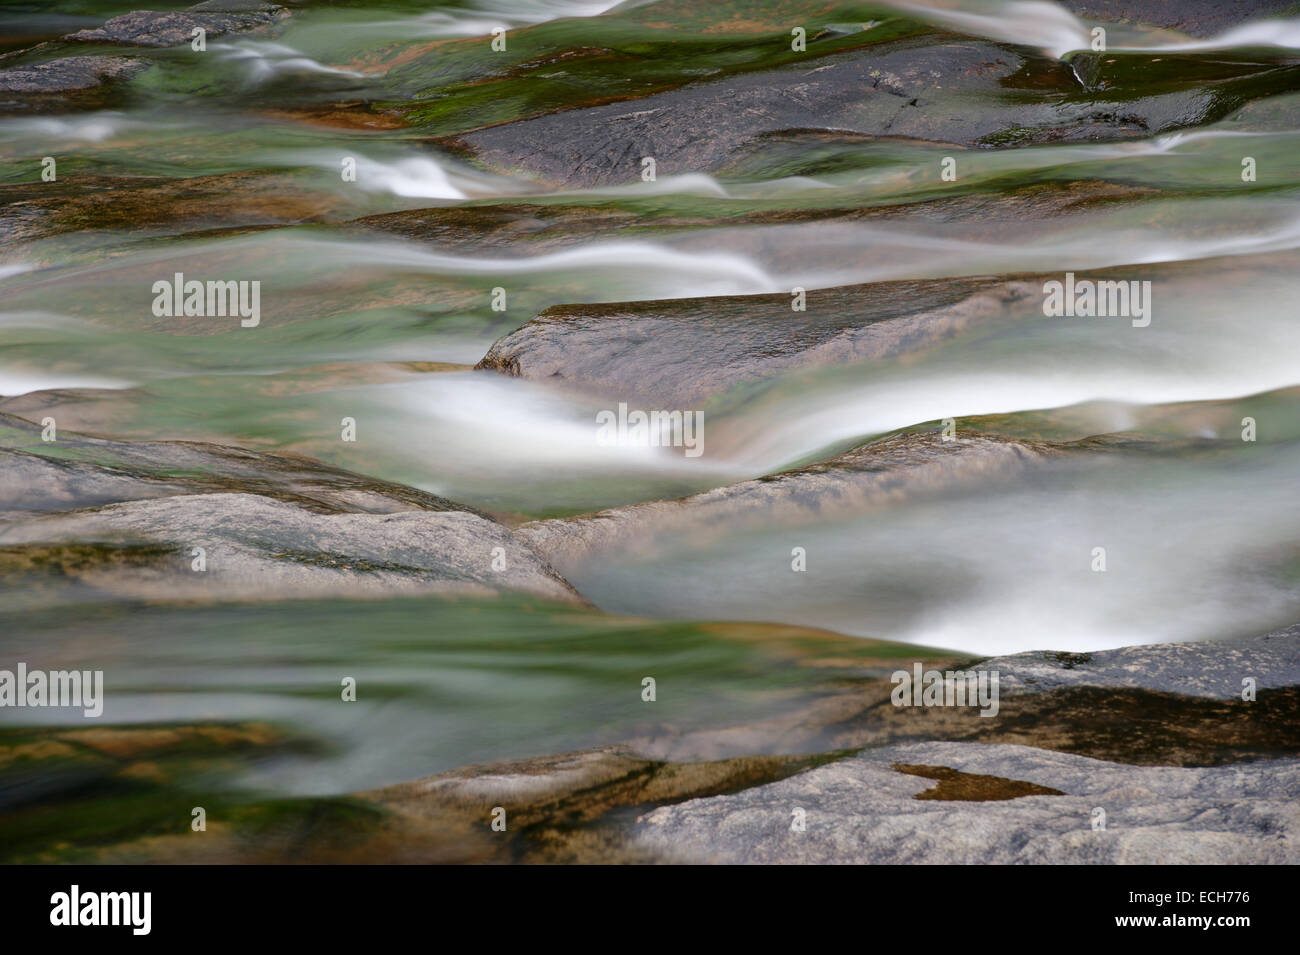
(937, 87)
(1213, 669)
(675, 353)
(81, 470)
(271, 525)
(874, 475)
(258, 548)
(678, 353)
(864, 810)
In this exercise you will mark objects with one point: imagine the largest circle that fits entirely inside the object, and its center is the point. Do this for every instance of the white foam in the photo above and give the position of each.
(265, 60)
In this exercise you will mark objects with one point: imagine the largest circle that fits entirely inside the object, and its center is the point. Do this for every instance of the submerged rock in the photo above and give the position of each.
(908, 798)
(555, 804)
(159, 29)
(81, 203)
(992, 804)
(1171, 704)
(547, 226)
(733, 791)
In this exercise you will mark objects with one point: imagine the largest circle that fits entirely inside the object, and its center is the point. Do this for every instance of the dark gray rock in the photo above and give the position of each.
(30, 211)
(937, 87)
(699, 127)
(71, 74)
(677, 352)
(155, 29)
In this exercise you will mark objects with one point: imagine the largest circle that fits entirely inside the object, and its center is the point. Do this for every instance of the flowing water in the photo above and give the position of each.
(1201, 528)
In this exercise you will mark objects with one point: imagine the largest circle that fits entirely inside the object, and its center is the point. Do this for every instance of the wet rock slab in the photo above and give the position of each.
(678, 352)
(1214, 669)
(877, 808)
(1189, 709)
(256, 548)
(876, 474)
(83, 470)
(270, 526)
(937, 87)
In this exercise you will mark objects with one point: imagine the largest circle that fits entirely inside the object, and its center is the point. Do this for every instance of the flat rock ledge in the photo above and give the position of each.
(128, 518)
(959, 803)
(1211, 669)
(881, 472)
(258, 548)
(680, 352)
